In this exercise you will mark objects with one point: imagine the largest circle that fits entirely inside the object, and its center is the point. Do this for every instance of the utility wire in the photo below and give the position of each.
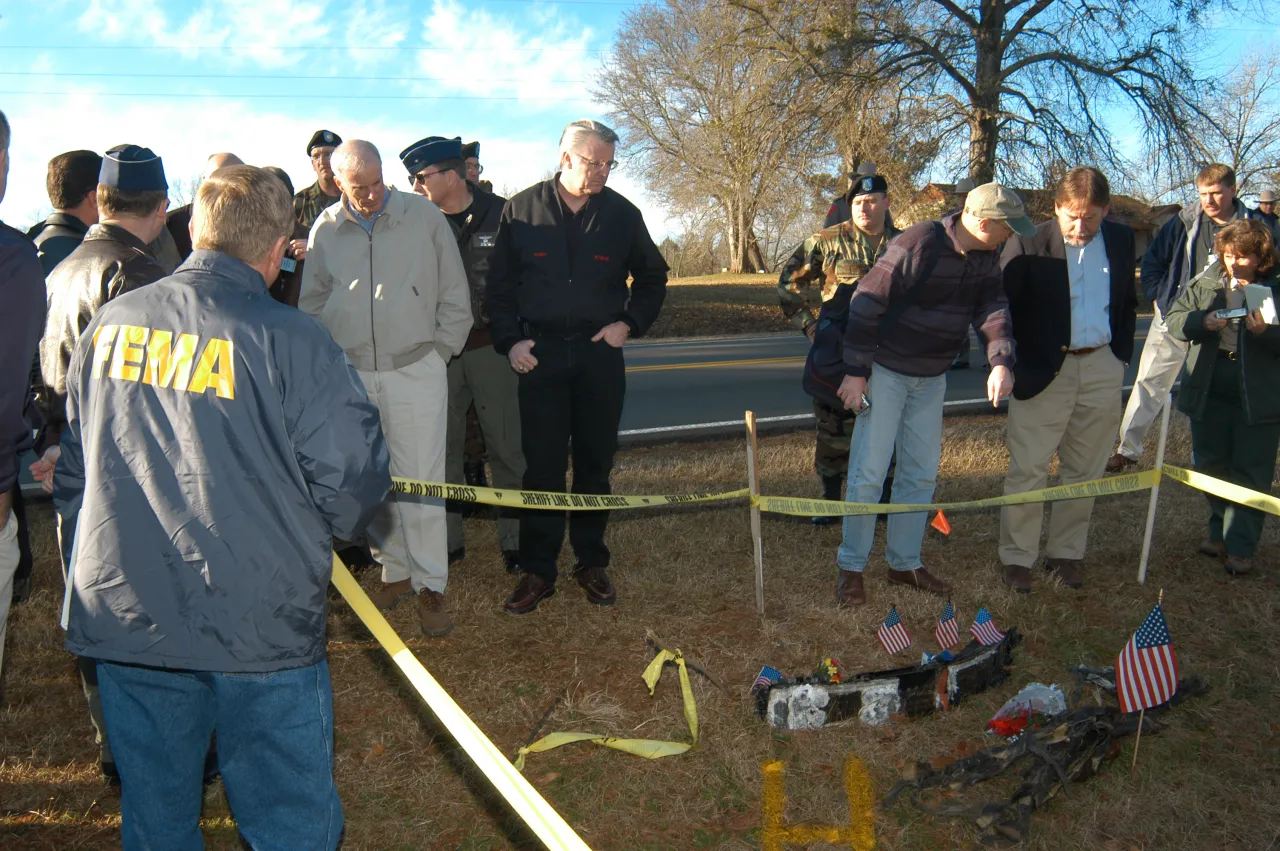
(341, 79)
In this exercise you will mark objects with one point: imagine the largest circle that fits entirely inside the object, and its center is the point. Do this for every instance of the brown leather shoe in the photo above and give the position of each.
(1213, 549)
(1018, 578)
(530, 591)
(849, 590)
(1117, 463)
(1238, 565)
(922, 580)
(431, 614)
(595, 581)
(390, 594)
(1069, 570)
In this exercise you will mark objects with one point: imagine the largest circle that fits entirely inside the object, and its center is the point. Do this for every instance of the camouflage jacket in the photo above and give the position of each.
(835, 255)
(310, 203)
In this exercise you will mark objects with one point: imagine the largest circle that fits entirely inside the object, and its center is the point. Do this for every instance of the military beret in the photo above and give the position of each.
(471, 149)
(867, 185)
(433, 149)
(323, 139)
(133, 169)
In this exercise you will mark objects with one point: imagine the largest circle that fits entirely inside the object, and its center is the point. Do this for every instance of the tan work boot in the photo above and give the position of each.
(390, 594)
(849, 589)
(431, 615)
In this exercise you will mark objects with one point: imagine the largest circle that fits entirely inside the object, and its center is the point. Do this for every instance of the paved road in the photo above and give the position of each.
(704, 386)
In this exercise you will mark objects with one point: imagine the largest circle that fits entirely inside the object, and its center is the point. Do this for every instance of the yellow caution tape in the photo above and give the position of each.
(541, 818)
(1226, 490)
(647, 748)
(516, 498)
(1080, 490)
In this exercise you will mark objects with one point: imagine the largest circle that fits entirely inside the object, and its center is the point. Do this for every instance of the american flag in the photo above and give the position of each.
(767, 677)
(1147, 670)
(984, 629)
(892, 634)
(945, 632)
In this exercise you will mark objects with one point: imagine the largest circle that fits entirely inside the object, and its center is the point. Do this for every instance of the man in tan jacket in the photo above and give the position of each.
(384, 275)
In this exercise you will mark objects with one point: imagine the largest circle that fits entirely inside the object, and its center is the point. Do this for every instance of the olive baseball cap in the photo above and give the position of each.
(993, 201)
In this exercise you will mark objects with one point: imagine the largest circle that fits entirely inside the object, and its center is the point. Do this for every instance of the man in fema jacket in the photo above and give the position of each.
(216, 442)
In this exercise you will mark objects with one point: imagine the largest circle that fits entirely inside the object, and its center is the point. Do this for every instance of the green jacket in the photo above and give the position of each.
(1259, 353)
(834, 256)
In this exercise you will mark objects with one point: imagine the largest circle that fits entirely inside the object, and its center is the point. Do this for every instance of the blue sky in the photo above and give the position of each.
(257, 77)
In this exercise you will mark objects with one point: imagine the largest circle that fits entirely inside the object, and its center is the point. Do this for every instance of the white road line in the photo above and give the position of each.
(787, 418)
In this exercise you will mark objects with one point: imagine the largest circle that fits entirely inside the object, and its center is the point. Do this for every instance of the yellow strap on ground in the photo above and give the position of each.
(1080, 490)
(647, 748)
(532, 808)
(516, 498)
(1226, 490)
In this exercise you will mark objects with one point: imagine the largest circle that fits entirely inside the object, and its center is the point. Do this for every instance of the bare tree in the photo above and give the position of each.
(1241, 124)
(710, 119)
(1027, 81)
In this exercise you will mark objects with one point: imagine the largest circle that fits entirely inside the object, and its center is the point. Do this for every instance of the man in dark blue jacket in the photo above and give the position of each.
(22, 297)
(72, 184)
(1181, 250)
(216, 442)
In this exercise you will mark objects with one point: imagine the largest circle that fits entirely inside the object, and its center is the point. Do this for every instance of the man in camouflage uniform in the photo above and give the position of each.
(324, 193)
(835, 256)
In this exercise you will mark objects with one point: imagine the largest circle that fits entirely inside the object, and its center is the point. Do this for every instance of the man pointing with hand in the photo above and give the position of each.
(907, 321)
(560, 309)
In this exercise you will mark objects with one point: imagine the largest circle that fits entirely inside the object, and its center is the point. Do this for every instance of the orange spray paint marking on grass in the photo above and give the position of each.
(859, 834)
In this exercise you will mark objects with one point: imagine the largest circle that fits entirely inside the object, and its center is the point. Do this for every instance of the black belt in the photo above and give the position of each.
(1223, 353)
(1085, 351)
(564, 332)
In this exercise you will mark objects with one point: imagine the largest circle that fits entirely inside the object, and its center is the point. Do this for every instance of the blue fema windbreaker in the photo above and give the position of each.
(219, 441)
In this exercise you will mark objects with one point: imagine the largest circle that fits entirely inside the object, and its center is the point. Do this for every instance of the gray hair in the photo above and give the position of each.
(355, 155)
(581, 129)
(4, 133)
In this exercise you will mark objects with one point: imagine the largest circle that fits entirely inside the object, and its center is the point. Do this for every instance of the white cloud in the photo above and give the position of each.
(185, 131)
(371, 24)
(272, 26)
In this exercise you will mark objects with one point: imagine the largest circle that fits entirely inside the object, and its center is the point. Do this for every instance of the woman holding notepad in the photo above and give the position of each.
(1231, 390)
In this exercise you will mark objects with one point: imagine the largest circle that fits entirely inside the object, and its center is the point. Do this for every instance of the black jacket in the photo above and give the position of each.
(1035, 279)
(216, 443)
(178, 223)
(109, 262)
(476, 241)
(22, 300)
(535, 283)
(56, 237)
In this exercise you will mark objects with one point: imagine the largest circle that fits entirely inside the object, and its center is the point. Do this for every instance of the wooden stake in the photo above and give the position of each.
(1155, 493)
(753, 477)
(1137, 742)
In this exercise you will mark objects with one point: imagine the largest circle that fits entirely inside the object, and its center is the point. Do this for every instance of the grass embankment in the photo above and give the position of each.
(1210, 780)
(712, 305)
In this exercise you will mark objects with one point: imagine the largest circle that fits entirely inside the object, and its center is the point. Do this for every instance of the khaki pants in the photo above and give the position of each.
(1075, 416)
(9, 557)
(486, 377)
(1161, 361)
(407, 534)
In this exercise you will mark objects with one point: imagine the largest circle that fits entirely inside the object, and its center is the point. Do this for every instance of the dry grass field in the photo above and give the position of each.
(720, 304)
(1209, 780)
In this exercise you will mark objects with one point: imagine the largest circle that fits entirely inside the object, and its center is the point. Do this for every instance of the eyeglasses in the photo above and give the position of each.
(322, 156)
(596, 164)
(477, 168)
(421, 178)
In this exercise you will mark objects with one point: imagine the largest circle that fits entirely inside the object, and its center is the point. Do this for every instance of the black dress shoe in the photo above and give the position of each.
(595, 581)
(531, 591)
(511, 561)
(457, 555)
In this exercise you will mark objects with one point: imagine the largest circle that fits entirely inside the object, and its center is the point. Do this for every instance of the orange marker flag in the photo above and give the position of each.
(940, 523)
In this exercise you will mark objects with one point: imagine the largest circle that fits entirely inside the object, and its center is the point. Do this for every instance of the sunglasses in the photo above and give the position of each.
(421, 178)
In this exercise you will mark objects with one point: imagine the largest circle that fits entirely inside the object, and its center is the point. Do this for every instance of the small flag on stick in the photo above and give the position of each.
(946, 633)
(1147, 670)
(892, 634)
(940, 523)
(767, 677)
(984, 629)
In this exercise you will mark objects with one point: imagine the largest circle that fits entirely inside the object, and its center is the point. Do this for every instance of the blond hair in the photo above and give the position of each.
(241, 210)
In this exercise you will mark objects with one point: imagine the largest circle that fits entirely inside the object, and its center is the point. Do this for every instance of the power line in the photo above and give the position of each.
(285, 96)
(113, 74)
(294, 47)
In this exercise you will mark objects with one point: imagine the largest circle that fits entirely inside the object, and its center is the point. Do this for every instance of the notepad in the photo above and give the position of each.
(1260, 297)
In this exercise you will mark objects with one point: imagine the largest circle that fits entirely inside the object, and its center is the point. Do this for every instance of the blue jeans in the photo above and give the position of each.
(275, 753)
(909, 411)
